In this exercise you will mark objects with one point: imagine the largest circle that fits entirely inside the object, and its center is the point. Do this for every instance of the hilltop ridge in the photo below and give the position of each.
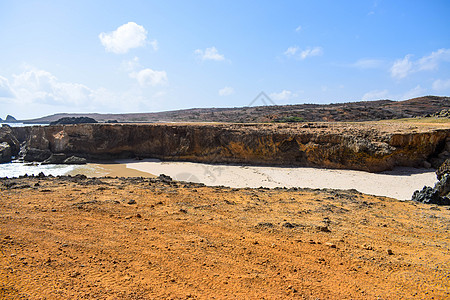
(335, 112)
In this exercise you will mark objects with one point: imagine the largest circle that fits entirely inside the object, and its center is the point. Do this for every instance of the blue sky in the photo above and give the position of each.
(144, 56)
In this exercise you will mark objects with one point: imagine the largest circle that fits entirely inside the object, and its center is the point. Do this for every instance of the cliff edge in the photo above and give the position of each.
(370, 147)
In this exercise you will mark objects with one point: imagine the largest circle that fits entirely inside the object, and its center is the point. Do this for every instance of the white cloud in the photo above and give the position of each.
(124, 38)
(316, 51)
(35, 93)
(401, 67)
(404, 67)
(368, 63)
(413, 93)
(5, 89)
(375, 95)
(431, 62)
(283, 95)
(226, 91)
(149, 77)
(42, 87)
(299, 28)
(441, 85)
(209, 54)
(293, 51)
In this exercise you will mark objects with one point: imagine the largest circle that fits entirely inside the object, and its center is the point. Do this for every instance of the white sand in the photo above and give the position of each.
(399, 183)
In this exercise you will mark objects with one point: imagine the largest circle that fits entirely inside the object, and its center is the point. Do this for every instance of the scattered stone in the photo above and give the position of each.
(331, 245)
(323, 228)
(289, 225)
(264, 224)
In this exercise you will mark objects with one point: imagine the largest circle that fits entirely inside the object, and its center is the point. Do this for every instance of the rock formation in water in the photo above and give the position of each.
(10, 119)
(368, 147)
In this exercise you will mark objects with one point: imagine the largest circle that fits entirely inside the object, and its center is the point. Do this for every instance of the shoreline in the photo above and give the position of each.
(399, 183)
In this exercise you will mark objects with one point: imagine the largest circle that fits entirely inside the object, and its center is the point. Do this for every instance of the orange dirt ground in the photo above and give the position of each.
(75, 238)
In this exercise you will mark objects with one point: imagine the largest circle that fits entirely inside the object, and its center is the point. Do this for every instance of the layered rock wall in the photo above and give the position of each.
(346, 146)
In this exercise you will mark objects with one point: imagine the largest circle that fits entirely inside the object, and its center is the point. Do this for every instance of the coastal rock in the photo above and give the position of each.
(38, 155)
(443, 169)
(6, 135)
(5, 152)
(75, 160)
(426, 195)
(56, 158)
(10, 119)
(439, 194)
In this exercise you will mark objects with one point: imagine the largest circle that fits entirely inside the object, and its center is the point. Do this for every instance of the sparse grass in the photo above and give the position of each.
(422, 120)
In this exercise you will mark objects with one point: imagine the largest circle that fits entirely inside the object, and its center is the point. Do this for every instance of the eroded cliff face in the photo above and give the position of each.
(368, 147)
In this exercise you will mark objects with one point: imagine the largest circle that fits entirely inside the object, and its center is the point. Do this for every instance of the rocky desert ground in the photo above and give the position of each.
(153, 238)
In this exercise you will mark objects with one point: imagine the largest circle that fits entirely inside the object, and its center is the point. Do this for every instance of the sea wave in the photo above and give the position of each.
(16, 169)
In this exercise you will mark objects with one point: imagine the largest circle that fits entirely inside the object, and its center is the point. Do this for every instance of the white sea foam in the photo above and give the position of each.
(16, 169)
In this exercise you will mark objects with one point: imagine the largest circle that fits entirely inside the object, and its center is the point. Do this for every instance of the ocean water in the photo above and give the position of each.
(20, 124)
(16, 169)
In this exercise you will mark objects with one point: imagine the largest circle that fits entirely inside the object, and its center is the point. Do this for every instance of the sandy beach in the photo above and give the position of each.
(399, 183)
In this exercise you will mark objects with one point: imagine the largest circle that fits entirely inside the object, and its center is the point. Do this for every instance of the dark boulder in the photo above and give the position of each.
(164, 178)
(426, 195)
(439, 195)
(75, 160)
(73, 120)
(56, 158)
(5, 152)
(38, 155)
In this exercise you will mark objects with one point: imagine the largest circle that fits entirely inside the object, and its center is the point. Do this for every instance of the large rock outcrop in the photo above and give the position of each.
(10, 146)
(368, 147)
(440, 193)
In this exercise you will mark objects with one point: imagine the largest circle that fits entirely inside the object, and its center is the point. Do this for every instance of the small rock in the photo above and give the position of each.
(389, 252)
(323, 228)
(289, 225)
(131, 201)
(331, 245)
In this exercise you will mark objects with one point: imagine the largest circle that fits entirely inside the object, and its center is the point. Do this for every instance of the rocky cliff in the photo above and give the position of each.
(372, 147)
